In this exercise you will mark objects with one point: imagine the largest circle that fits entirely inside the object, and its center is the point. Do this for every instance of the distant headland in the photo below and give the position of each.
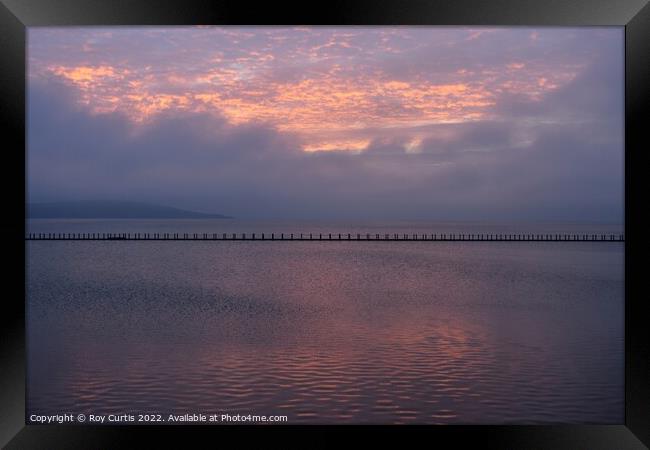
(106, 209)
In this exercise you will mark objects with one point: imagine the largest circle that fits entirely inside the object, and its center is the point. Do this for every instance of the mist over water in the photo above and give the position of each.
(327, 332)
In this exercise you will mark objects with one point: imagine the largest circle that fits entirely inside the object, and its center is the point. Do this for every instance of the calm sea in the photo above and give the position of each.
(327, 332)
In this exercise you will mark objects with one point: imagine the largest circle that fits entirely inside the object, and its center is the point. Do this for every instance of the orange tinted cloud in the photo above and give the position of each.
(86, 74)
(346, 144)
(326, 92)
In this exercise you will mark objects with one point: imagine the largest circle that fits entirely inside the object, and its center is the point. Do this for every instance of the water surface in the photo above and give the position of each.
(326, 332)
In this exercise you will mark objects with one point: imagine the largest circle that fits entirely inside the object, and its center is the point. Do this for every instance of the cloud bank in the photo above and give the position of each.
(361, 123)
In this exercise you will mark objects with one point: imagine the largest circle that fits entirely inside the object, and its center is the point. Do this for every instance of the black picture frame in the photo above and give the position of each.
(16, 15)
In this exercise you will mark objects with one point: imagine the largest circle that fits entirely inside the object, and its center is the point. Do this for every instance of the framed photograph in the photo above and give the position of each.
(239, 220)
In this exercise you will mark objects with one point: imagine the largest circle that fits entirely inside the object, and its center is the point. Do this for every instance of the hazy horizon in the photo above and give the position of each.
(336, 123)
(323, 221)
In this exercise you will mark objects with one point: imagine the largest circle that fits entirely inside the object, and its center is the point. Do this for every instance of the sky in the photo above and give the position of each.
(386, 123)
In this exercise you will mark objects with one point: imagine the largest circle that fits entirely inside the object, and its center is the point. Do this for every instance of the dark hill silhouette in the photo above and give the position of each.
(100, 209)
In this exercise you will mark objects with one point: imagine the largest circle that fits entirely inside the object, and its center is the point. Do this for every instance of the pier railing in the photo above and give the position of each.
(432, 237)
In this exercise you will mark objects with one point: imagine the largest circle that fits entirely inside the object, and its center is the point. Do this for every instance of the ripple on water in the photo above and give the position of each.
(338, 334)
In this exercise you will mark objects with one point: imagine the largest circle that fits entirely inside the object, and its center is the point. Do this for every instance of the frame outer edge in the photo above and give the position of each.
(12, 225)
